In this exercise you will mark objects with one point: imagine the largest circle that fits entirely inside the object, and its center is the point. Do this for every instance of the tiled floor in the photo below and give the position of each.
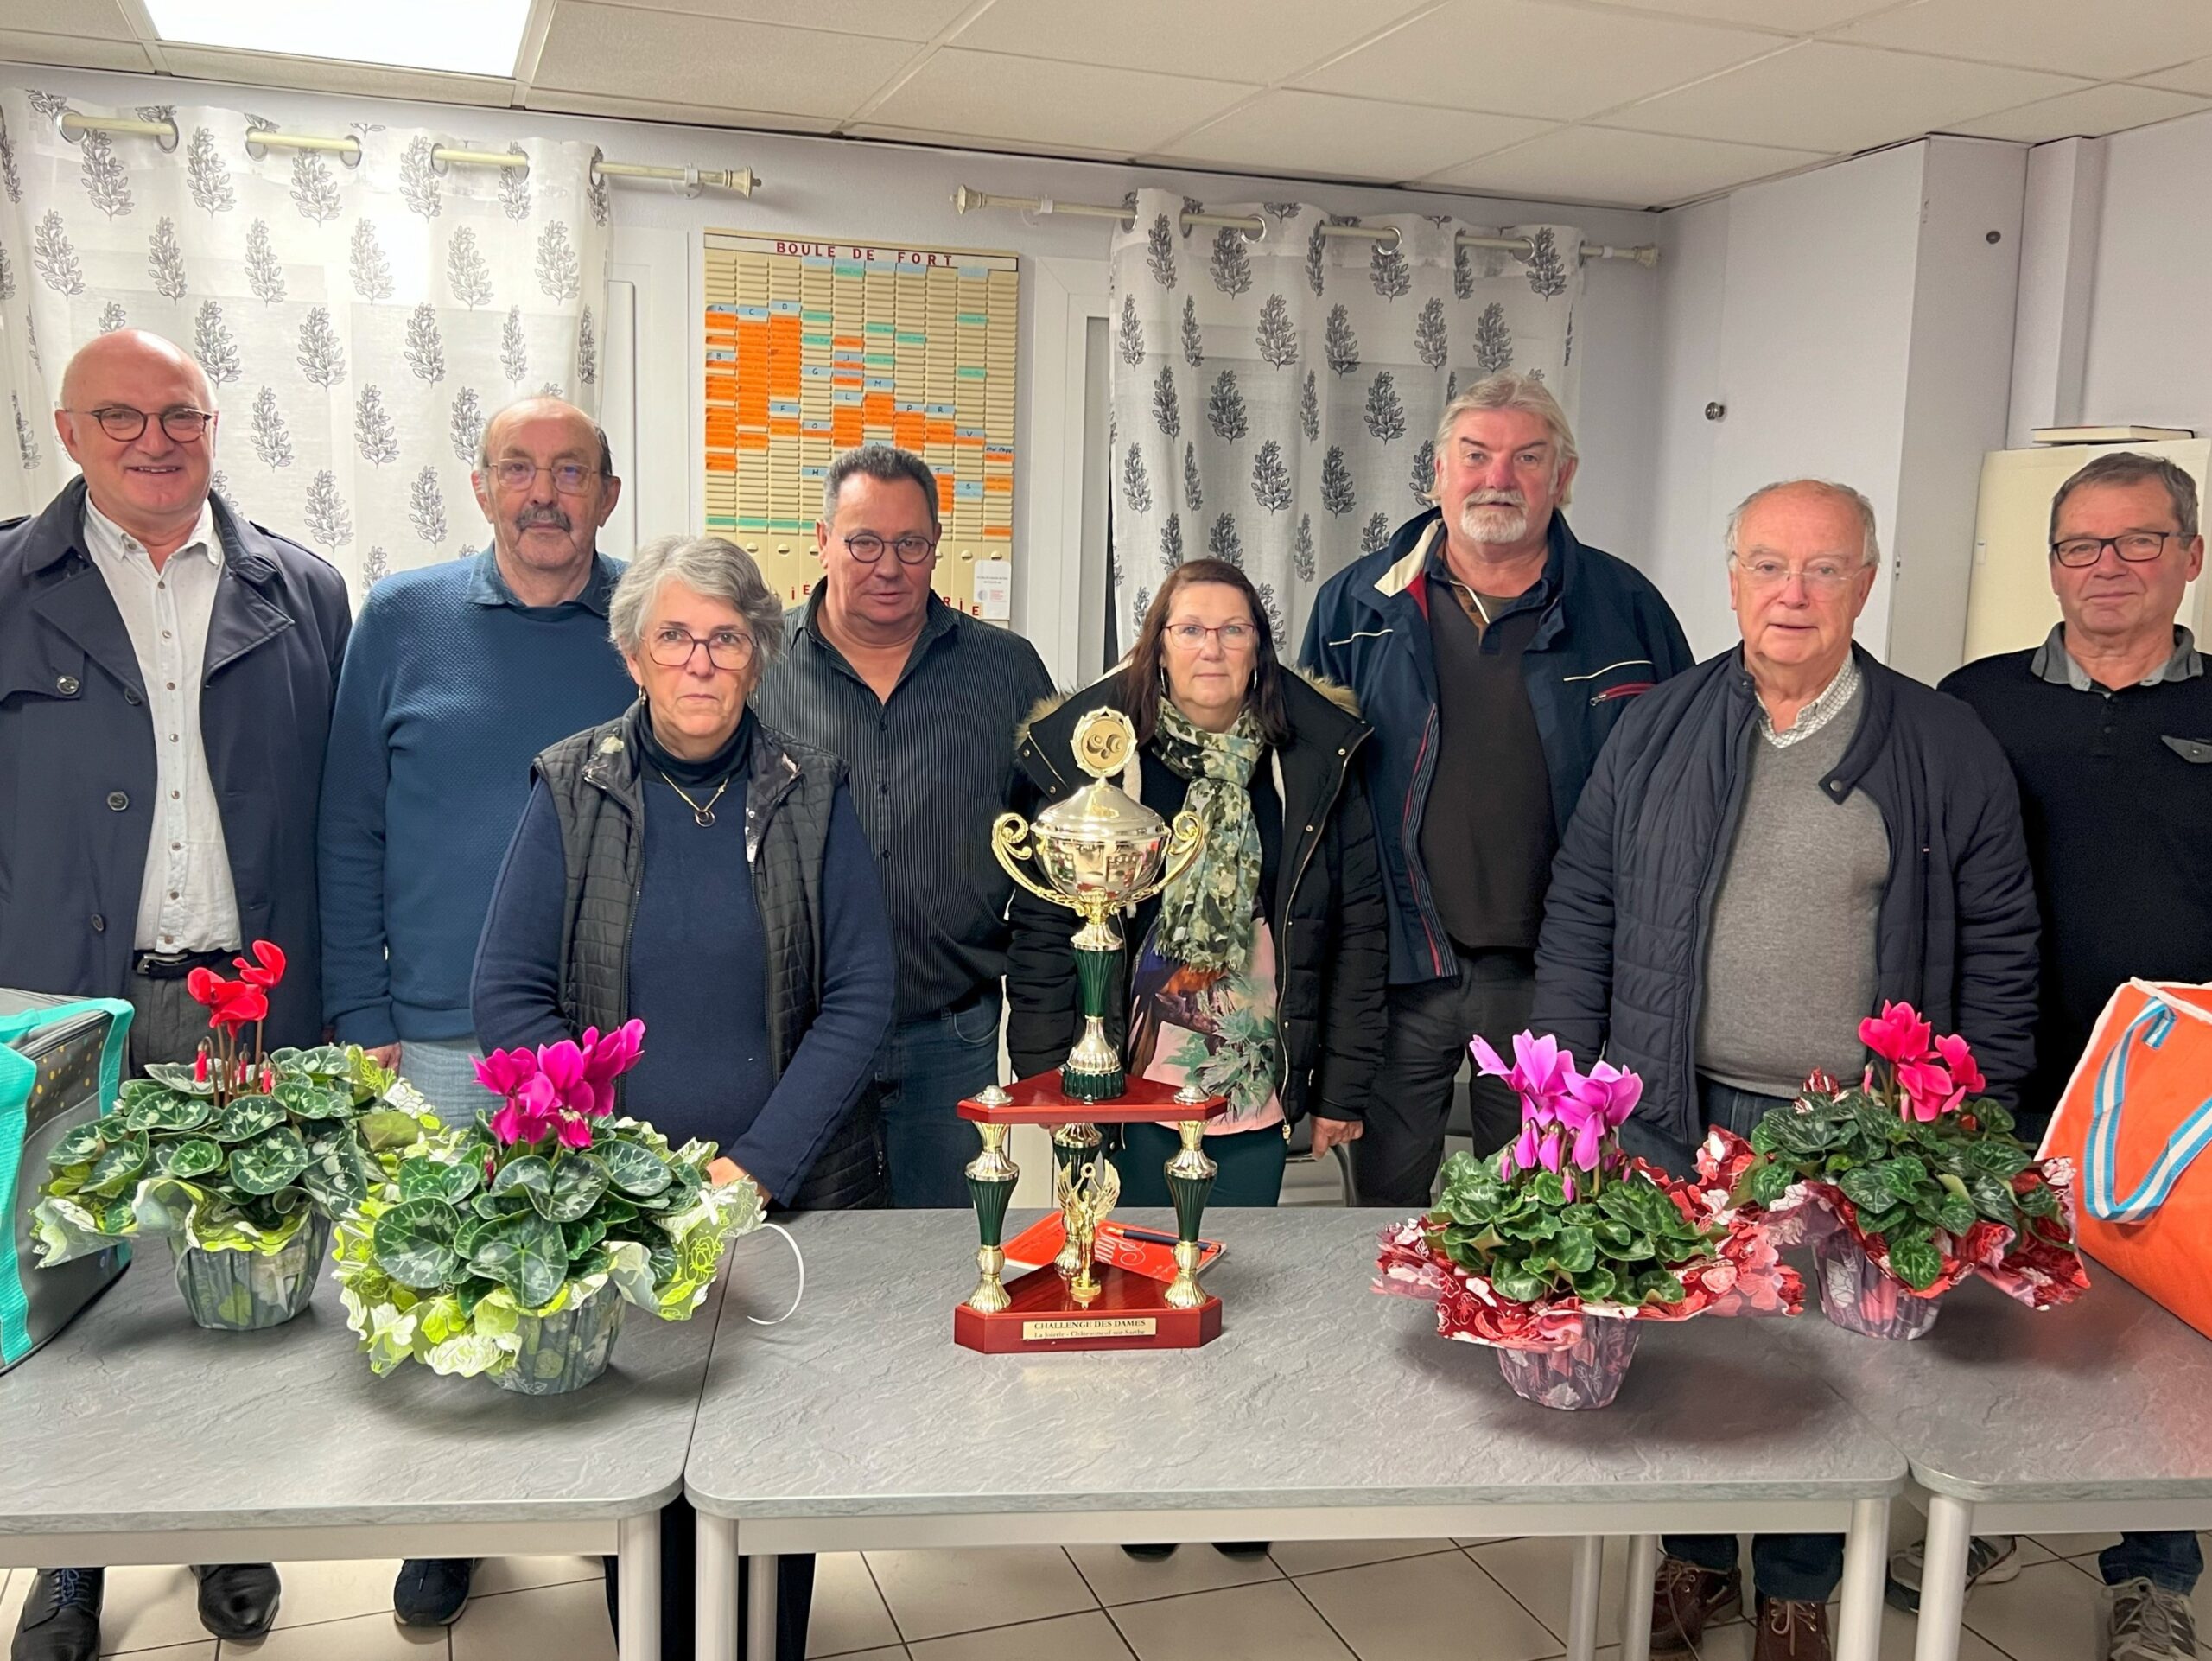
(1392, 1600)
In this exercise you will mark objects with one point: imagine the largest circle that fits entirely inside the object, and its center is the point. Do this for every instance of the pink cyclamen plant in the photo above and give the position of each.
(1567, 1116)
(1933, 1076)
(557, 1089)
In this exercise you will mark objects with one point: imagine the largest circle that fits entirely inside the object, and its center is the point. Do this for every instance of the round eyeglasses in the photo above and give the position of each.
(184, 424)
(868, 548)
(672, 647)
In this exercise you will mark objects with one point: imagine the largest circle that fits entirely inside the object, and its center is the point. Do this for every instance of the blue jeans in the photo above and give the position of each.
(925, 1068)
(2169, 1559)
(1795, 1567)
(444, 1070)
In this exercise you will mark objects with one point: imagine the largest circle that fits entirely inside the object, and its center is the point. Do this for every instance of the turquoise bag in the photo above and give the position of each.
(61, 1064)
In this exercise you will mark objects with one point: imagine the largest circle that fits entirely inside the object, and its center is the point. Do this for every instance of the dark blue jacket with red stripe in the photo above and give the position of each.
(1607, 635)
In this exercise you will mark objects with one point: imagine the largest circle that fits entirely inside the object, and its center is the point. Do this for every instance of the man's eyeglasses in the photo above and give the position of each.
(868, 548)
(726, 648)
(123, 423)
(569, 478)
(1822, 576)
(1191, 637)
(2136, 547)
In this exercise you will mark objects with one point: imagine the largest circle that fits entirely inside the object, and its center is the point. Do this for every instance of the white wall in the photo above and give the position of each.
(840, 190)
(2148, 354)
(1854, 324)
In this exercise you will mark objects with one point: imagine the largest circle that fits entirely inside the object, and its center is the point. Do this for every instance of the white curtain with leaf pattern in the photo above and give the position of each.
(1275, 398)
(360, 322)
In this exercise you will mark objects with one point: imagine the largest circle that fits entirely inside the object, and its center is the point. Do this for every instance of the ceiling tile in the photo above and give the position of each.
(1028, 100)
(1791, 16)
(906, 19)
(685, 59)
(702, 115)
(1521, 57)
(2184, 78)
(1619, 170)
(1233, 40)
(2104, 40)
(19, 47)
(333, 75)
(99, 19)
(2090, 113)
(1319, 135)
(1820, 96)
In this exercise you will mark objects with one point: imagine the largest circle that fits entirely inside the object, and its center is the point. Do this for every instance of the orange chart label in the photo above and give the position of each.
(815, 345)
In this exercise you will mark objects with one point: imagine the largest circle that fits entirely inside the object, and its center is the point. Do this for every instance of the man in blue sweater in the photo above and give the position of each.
(455, 677)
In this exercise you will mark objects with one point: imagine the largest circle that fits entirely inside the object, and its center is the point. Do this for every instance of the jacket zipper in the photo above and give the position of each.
(1410, 839)
(1289, 900)
(1708, 895)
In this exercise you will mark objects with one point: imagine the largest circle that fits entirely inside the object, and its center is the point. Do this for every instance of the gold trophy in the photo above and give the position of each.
(1099, 853)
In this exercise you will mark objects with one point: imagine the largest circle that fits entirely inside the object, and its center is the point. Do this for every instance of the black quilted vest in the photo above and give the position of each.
(593, 777)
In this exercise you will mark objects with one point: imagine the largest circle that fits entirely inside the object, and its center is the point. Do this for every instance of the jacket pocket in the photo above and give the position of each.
(2197, 751)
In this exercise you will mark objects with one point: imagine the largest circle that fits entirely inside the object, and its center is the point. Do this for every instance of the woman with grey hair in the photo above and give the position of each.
(688, 864)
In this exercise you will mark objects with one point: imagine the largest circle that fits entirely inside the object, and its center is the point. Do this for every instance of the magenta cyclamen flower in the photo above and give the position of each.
(505, 1071)
(558, 1089)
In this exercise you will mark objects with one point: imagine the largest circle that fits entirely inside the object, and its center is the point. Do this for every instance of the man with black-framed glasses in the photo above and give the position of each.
(165, 676)
(458, 675)
(920, 702)
(2108, 726)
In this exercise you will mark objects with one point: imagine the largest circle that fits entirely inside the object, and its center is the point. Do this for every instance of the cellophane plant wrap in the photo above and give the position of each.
(1920, 1170)
(236, 1150)
(535, 1207)
(1563, 1227)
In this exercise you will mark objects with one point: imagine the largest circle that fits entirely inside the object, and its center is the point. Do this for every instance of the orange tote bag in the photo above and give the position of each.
(2137, 1121)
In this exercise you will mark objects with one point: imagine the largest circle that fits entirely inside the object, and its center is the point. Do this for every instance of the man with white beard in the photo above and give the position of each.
(1491, 653)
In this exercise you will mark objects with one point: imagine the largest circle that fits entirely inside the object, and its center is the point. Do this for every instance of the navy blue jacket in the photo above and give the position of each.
(77, 755)
(1607, 635)
(1626, 923)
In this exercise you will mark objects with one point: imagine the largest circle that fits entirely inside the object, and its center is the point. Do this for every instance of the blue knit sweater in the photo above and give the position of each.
(450, 686)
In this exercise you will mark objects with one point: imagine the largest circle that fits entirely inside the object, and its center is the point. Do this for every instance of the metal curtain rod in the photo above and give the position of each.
(743, 181)
(965, 201)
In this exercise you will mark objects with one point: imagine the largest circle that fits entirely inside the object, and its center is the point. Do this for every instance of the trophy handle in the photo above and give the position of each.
(1010, 842)
(1182, 849)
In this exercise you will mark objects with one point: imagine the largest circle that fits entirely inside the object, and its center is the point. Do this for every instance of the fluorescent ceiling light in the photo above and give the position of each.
(477, 37)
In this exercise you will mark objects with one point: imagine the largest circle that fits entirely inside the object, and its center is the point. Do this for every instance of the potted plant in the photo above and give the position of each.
(1552, 1250)
(509, 1249)
(1909, 1181)
(241, 1158)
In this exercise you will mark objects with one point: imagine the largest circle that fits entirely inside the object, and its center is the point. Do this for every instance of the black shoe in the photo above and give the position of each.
(1150, 1554)
(61, 1617)
(238, 1600)
(1242, 1548)
(431, 1591)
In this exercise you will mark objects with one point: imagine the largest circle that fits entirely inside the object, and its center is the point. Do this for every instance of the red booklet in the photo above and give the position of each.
(1142, 1250)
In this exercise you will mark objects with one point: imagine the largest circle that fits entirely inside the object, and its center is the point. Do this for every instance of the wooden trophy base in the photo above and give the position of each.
(1129, 1312)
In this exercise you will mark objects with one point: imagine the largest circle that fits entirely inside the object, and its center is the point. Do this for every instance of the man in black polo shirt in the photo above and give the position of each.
(920, 702)
(2108, 726)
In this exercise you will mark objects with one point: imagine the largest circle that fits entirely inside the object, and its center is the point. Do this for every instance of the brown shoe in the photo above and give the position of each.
(1684, 1598)
(1791, 1631)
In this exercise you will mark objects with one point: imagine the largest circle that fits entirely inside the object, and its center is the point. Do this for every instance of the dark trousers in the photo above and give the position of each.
(1795, 1567)
(1251, 1164)
(1395, 1162)
(166, 1025)
(2172, 1559)
(679, 1594)
(924, 1070)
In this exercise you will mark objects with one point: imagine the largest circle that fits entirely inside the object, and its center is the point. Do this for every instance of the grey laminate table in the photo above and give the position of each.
(136, 1437)
(1322, 1412)
(2089, 1418)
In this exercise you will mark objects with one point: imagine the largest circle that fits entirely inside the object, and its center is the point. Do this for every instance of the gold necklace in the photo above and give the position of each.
(703, 812)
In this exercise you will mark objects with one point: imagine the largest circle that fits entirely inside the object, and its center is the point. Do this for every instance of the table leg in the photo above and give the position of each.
(714, 1589)
(1582, 1597)
(1865, 1563)
(1636, 1597)
(760, 1609)
(1943, 1578)
(636, 1545)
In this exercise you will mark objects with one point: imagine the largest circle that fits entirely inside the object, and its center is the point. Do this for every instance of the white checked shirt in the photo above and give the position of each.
(186, 902)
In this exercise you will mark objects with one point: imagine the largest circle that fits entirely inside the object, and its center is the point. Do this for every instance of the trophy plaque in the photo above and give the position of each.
(1100, 853)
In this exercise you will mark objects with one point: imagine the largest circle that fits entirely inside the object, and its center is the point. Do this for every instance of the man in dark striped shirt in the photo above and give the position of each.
(920, 702)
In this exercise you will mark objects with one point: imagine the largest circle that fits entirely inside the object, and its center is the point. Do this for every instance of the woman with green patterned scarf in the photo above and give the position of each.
(1260, 969)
